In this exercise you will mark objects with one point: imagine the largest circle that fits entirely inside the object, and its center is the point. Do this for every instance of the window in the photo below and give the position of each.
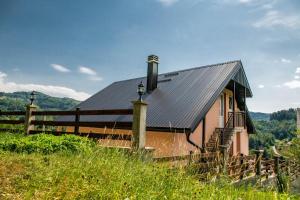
(222, 105)
(230, 103)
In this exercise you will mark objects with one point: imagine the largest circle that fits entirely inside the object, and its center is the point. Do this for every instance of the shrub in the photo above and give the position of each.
(45, 144)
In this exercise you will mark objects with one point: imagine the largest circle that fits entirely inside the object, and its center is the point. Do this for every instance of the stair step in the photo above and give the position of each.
(211, 143)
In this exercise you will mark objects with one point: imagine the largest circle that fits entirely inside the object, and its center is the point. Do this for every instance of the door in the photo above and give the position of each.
(222, 107)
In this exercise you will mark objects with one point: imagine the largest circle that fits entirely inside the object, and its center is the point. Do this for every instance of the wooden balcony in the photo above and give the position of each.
(236, 119)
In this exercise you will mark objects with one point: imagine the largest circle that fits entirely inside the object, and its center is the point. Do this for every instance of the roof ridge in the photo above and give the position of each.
(183, 70)
(204, 66)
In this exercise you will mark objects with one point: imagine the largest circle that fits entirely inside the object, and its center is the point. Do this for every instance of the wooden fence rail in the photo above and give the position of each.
(12, 122)
(9, 113)
(84, 112)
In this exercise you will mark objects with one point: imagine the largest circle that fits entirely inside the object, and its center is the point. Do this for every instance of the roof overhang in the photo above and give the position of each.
(238, 75)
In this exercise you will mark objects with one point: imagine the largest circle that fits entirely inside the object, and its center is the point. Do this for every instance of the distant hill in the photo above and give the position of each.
(281, 115)
(18, 101)
(259, 116)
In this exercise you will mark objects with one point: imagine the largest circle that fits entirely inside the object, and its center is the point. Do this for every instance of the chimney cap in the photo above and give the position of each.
(153, 58)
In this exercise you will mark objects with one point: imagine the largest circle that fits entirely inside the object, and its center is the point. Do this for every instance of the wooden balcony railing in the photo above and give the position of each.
(236, 119)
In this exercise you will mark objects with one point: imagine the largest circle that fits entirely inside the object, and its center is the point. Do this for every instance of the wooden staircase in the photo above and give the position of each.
(216, 140)
(224, 136)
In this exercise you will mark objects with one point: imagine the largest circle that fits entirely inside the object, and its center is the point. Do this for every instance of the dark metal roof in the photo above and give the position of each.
(181, 100)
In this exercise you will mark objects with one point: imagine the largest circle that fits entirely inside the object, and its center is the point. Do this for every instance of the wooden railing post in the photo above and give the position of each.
(259, 154)
(29, 118)
(77, 119)
(224, 152)
(139, 124)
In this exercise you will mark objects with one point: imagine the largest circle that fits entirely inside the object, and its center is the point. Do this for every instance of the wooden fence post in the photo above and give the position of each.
(77, 119)
(190, 158)
(267, 169)
(288, 165)
(139, 124)
(282, 185)
(242, 167)
(44, 127)
(259, 154)
(276, 164)
(29, 118)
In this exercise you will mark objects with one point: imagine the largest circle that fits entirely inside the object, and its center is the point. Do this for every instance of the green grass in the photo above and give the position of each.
(99, 173)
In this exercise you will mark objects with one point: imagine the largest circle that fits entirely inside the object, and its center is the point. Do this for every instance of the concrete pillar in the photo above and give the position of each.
(139, 125)
(298, 118)
(29, 118)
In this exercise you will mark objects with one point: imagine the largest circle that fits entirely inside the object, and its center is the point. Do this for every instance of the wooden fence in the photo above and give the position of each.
(32, 120)
(76, 124)
(237, 168)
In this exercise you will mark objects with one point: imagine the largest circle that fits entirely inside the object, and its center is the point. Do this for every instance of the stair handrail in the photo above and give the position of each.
(227, 125)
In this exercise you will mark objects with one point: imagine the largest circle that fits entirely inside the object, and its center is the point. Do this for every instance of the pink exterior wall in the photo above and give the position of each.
(245, 142)
(212, 120)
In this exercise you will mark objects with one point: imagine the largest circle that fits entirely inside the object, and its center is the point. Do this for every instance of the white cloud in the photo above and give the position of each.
(264, 4)
(274, 18)
(2, 75)
(296, 77)
(87, 70)
(261, 86)
(167, 2)
(298, 70)
(245, 1)
(57, 91)
(93, 76)
(292, 84)
(283, 60)
(60, 68)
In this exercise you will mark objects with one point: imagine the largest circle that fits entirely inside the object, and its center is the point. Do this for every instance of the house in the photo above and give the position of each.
(188, 110)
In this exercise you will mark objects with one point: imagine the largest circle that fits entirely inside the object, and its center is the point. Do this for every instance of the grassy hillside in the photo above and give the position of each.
(18, 100)
(91, 172)
(279, 127)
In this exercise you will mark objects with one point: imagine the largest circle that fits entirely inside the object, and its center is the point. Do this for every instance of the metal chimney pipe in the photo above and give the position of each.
(152, 74)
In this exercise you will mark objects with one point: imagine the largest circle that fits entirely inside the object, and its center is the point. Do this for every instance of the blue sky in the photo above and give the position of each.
(76, 48)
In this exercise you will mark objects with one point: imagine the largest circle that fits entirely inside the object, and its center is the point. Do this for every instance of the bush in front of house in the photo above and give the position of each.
(45, 144)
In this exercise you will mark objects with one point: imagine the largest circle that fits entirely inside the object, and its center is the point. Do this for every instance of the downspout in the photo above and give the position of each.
(188, 135)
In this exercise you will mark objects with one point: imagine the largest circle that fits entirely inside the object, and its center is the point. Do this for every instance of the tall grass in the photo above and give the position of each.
(106, 174)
